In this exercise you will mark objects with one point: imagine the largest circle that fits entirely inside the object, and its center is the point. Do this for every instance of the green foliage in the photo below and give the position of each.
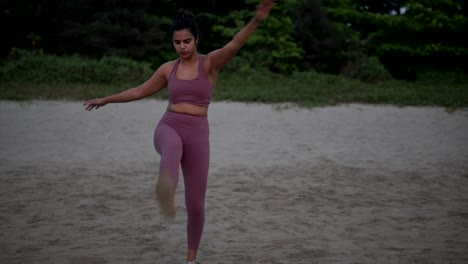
(89, 28)
(117, 32)
(272, 46)
(316, 89)
(452, 77)
(367, 69)
(325, 47)
(407, 36)
(422, 51)
(36, 67)
(32, 75)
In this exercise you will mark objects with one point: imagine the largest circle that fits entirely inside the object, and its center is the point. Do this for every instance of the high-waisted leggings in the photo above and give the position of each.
(183, 140)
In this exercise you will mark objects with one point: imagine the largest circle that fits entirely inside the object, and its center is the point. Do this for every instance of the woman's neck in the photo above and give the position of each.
(191, 60)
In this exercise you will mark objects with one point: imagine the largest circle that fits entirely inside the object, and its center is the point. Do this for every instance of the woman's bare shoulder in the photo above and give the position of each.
(168, 65)
(166, 68)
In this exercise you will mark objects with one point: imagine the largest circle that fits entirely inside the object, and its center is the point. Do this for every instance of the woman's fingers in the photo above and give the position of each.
(89, 106)
(264, 8)
(267, 3)
(93, 104)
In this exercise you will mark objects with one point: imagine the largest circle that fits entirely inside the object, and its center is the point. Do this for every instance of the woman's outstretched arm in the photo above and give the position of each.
(217, 59)
(153, 85)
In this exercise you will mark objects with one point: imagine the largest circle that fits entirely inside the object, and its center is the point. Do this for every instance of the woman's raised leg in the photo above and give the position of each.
(169, 145)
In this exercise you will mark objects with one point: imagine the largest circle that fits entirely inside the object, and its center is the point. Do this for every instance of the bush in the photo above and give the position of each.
(367, 69)
(272, 46)
(36, 67)
(457, 76)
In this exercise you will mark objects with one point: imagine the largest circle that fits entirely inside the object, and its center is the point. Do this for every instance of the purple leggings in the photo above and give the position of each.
(183, 140)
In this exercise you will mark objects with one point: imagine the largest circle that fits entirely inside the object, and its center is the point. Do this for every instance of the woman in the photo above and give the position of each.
(182, 135)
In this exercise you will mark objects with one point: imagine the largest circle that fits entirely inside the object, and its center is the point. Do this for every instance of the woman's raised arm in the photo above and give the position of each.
(217, 59)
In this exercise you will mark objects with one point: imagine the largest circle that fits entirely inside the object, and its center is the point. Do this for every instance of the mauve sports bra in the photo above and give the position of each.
(197, 91)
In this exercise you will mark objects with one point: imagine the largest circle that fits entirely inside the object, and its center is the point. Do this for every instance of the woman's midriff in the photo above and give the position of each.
(189, 109)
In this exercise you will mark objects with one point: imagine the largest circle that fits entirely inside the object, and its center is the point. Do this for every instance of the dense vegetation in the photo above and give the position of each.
(312, 51)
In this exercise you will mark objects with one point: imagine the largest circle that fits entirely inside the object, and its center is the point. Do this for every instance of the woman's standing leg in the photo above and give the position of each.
(195, 163)
(168, 144)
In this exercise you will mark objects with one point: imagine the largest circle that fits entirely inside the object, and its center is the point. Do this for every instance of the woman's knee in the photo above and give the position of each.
(195, 208)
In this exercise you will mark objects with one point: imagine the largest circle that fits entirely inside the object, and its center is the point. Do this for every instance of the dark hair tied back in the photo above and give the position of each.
(185, 19)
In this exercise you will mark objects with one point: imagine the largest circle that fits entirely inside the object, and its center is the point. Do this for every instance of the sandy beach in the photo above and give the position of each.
(344, 184)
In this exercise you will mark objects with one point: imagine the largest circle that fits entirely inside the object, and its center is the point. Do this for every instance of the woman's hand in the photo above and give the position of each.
(95, 103)
(263, 9)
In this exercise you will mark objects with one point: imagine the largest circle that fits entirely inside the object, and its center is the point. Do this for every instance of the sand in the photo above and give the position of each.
(344, 184)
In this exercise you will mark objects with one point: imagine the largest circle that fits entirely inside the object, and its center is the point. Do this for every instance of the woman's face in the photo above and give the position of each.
(184, 43)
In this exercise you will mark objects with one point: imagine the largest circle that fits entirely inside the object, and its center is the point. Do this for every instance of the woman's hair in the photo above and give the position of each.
(184, 19)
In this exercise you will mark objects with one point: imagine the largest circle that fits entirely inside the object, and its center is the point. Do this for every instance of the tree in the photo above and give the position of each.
(86, 27)
(272, 46)
(325, 46)
(27, 24)
(111, 27)
(408, 36)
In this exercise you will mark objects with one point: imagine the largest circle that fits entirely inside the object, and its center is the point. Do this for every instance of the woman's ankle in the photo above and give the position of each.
(192, 256)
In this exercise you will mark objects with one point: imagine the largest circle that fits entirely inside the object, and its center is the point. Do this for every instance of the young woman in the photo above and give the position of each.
(182, 135)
